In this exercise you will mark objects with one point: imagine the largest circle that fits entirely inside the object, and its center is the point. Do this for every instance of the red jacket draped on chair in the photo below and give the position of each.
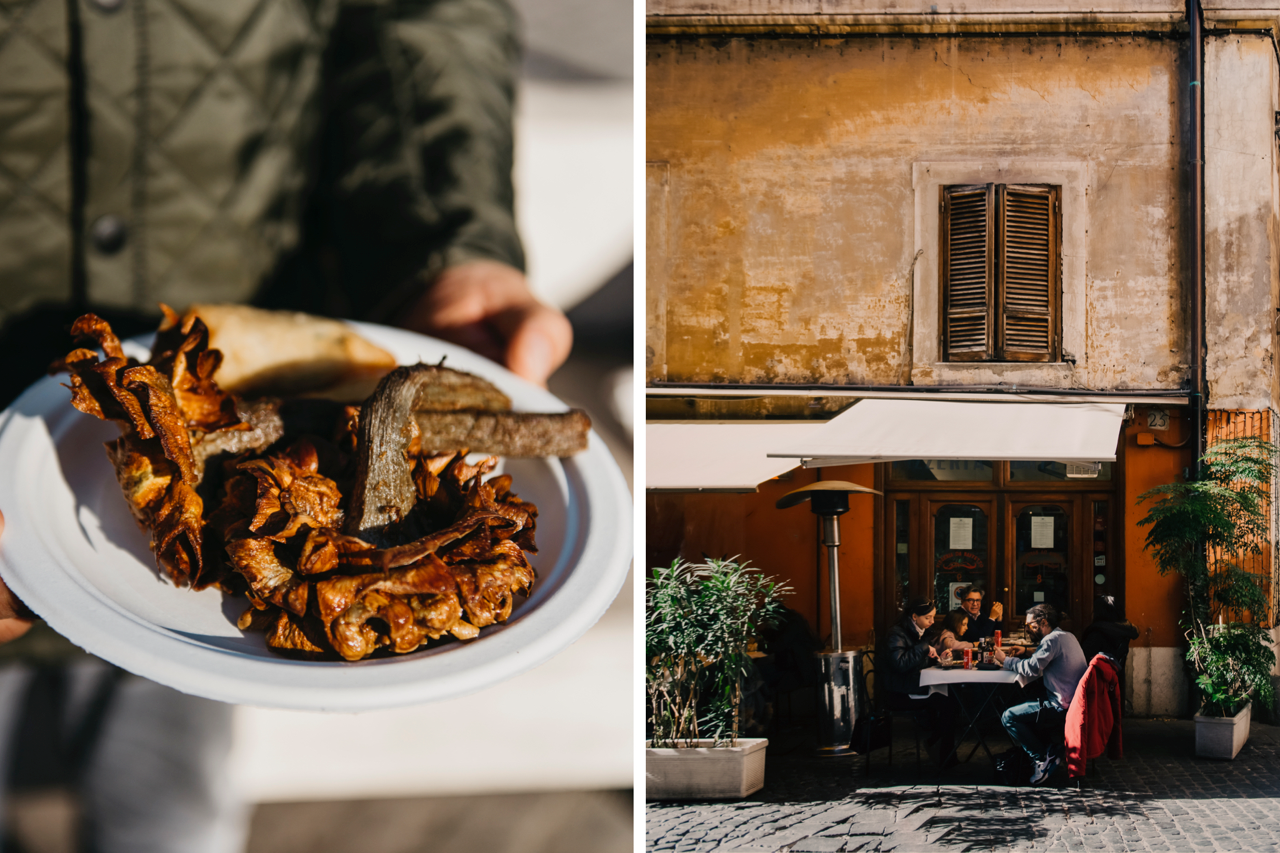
(1093, 720)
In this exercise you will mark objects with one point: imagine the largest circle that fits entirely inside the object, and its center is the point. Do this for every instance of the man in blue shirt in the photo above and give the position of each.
(1059, 661)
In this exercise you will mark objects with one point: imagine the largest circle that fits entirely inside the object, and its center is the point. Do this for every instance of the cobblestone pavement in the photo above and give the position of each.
(1160, 797)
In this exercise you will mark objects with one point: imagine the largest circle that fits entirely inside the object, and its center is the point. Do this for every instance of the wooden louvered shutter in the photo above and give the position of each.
(1027, 271)
(968, 276)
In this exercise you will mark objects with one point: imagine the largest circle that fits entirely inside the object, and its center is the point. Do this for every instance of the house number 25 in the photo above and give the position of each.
(1158, 419)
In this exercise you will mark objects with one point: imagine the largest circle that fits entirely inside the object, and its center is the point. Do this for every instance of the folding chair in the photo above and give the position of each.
(880, 714)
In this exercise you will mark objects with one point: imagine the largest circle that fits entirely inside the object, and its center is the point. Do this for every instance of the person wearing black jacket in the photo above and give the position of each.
(1109, 634)
(902, 655)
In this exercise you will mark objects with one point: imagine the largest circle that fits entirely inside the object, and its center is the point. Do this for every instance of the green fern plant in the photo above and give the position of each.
(700, 620)
(1200, 530)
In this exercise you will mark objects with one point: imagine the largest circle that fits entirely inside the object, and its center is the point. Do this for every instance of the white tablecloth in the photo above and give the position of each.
(960, 675)
(936, 678)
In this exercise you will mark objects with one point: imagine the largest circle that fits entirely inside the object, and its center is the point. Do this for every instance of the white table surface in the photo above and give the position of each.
(960, 675)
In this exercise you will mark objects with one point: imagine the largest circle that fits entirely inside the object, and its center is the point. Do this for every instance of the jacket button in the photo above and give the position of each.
(108, 234)
(108, 5)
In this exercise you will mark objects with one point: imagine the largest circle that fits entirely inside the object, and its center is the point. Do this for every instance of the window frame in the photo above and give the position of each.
(927, 367)
(996, 347)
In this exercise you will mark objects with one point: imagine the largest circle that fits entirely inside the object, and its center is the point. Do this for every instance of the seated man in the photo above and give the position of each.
(979, 626)
(1060, 662)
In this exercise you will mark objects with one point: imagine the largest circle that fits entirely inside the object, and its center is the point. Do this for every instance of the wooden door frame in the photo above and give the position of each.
(1004, 496)
(1076, 575)
(1114, 551)
(924, 579)
(886, 611)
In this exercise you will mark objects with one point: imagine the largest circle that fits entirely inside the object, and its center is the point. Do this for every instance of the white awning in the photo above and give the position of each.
(890, 430)
(719, 456)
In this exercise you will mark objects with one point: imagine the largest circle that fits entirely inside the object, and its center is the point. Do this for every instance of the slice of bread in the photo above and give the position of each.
(285, 353)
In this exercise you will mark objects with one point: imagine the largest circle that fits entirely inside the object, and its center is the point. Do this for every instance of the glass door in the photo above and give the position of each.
(936, 543)
(1044, 555)
(1026, 532)
(960, 547)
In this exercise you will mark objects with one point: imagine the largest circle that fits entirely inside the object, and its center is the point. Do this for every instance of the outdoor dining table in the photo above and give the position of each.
(975, 704)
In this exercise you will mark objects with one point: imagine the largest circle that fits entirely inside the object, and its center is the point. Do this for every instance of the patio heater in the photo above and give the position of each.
(841, 703)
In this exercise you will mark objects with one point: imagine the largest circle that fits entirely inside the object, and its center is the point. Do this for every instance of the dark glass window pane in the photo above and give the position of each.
(1041, 558)
(942, 470)
(959, 551)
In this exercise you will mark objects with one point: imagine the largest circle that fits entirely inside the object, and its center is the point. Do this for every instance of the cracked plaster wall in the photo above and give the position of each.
(1242, 224)
(788, 204)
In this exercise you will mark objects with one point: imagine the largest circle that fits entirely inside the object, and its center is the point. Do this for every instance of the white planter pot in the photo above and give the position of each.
(1222, 737)
(704, 772)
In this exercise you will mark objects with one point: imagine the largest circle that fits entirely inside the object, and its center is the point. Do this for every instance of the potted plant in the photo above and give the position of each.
(1200, 530)
(700, 622)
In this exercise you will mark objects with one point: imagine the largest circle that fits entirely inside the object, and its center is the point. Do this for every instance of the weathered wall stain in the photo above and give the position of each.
(791, 201)
(657, 231)
(1237, 310)
(1241, 259)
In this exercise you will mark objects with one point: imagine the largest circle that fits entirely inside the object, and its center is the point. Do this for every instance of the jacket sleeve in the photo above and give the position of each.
(1076, 728)
(1115, 742)
(904, 655)
(417, 144)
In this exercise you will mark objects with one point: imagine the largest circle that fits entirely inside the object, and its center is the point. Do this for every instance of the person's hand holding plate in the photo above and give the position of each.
(15, 618)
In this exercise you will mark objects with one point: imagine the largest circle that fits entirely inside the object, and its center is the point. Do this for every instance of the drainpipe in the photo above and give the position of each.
(1196, 106)
(1195, 47)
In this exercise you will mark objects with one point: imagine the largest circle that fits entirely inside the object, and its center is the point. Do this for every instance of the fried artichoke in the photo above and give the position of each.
(343, 529)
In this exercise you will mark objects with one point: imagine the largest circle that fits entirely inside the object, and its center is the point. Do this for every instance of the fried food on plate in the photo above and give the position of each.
(348, 530)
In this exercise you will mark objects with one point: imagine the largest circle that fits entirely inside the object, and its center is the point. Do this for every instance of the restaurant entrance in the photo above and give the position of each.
(1025, 532)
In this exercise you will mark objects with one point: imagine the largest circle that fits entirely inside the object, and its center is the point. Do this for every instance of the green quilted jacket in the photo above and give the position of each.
(324, 154)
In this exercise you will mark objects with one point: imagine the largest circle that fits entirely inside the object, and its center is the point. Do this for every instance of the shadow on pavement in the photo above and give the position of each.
(1159, 797)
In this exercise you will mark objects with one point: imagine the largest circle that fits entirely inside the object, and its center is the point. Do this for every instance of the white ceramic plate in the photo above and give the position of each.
(73, 553)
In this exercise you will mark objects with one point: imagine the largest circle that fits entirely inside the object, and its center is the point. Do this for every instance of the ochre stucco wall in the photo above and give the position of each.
(785, 167)
(1242, 230)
